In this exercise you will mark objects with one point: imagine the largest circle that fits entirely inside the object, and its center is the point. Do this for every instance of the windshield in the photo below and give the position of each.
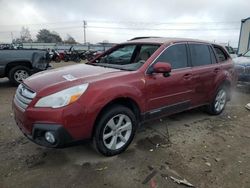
(126, 57)
(247, 54)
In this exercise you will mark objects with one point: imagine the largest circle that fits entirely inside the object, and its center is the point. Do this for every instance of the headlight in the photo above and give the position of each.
(62, 98)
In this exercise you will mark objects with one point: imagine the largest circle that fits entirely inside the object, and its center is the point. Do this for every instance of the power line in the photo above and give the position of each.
(163, 29)
(131, 28)
(42, 23)
(124, 22)
(172, 22)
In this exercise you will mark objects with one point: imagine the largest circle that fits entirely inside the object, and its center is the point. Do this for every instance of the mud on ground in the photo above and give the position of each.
(207, 151)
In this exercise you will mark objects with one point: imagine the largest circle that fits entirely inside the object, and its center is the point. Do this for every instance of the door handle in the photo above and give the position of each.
(187, 76)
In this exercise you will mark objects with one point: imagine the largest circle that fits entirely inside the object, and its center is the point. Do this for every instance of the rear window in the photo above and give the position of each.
(200, 54)
(176, 55)
(220, 54)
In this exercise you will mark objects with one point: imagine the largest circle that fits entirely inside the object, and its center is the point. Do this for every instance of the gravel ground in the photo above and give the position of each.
(207, 151)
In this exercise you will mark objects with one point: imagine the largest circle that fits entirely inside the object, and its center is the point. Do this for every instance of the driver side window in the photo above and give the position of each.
(176, 55)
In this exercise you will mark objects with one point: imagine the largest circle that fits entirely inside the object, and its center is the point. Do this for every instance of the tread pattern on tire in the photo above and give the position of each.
(105, 116)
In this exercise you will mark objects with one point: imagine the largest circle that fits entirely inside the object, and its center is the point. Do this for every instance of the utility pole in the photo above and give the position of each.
(11, 36)
(84, 30)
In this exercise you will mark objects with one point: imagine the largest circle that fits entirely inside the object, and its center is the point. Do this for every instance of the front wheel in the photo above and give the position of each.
(115, 130)
(18, 74)
(219, 102)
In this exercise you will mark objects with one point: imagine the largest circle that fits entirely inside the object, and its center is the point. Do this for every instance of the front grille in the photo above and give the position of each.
(23, 97)
(247, 70)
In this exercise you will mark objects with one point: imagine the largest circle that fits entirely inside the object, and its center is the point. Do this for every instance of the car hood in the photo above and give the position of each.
(242, 60)
(68, 76)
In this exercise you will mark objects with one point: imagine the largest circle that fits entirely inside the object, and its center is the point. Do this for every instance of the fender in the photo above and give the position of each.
(98, 98)
(225, 77)
(11, 64)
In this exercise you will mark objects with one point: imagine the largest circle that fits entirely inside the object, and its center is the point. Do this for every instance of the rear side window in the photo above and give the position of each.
(200, 54)
(220, 54)
(176, 55)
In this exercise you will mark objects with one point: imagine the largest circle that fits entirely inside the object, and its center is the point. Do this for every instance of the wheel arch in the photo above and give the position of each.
(124, 101)
(13, 64)
(228, 87)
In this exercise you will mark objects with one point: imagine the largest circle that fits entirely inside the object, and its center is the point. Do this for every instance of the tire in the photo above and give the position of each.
(78, 60)
(58, 60)
(116, 140)
(66, 58)
(218, 104)
(18, 74)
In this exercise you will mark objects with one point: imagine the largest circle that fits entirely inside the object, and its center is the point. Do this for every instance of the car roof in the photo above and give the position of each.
(164, 40)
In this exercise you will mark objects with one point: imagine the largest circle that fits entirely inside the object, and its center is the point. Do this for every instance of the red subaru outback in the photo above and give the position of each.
(106, 99)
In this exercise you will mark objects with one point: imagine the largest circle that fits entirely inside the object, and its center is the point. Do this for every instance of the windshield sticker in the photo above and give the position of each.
(69, 77)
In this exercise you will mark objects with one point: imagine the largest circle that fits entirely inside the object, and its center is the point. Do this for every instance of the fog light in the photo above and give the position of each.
(49, 137)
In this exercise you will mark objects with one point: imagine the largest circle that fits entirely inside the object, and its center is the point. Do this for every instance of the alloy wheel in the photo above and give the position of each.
(117, 132)
(220, 100)
(20, 75)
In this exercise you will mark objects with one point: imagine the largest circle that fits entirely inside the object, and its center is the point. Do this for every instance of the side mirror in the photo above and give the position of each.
(239, 55)
(161, 67)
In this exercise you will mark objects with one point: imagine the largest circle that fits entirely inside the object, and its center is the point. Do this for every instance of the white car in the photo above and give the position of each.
(231, 51)
(242, 65)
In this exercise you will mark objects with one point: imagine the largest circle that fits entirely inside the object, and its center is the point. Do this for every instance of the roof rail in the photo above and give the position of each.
(136, 38)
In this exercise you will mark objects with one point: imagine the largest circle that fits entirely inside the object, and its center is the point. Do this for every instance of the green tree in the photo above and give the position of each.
(45, 35)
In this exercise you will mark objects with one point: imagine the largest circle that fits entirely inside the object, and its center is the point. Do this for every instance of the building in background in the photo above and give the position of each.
(244, 40)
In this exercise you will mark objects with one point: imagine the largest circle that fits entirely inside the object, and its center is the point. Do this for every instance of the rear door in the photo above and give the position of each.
(205, 69)
(167, 95)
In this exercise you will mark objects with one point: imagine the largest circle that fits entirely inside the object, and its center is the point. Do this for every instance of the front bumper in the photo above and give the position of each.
(243, 73)
(69, 123)
(62, 137)
(244, 77)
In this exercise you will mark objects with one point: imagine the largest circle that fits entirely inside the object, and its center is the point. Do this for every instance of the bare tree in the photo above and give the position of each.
(70, 40)
(25, 35)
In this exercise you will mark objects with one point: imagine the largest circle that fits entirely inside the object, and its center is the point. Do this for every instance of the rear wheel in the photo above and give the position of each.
(58, 59)
(18, 74)
(115, 130)
(219, 102)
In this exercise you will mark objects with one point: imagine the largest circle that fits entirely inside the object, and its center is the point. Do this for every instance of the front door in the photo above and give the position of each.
(167, 95)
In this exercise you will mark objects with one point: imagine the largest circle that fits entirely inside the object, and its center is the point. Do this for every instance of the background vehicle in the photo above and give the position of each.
(55, 56)
(107, 98)
(20, 64)
(72, 55)
(242, 65)
(6, 46)
(230, 50)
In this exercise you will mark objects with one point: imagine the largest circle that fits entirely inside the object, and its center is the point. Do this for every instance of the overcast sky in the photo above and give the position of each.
(118, 21)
